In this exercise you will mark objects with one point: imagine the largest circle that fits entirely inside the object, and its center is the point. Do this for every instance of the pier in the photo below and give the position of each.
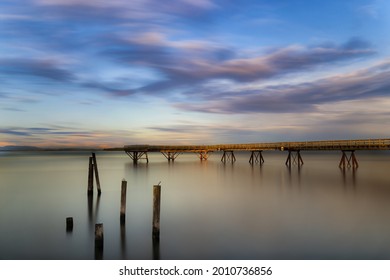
(294, 157)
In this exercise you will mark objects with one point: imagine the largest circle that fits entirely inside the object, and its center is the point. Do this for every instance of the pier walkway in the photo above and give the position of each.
(347, 147)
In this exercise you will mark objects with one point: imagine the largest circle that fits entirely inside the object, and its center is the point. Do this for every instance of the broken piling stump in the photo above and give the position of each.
(123, 201)
(95, 168)
(90, 177)
(69, 224)
(156, 211)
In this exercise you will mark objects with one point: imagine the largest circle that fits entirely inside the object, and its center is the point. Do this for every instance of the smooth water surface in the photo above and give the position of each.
(209, 210)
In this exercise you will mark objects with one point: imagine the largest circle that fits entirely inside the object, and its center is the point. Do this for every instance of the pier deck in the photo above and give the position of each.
(138, 152)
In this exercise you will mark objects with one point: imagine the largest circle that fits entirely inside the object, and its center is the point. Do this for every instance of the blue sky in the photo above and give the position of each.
(111, 73)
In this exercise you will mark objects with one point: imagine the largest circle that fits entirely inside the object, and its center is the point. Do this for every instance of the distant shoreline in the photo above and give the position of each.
(38, 149)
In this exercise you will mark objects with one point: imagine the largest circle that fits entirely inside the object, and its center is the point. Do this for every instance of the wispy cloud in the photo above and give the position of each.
(34, 67)
(15, 132)
(370, 10)
(135, 10)
(285, 98)
(186, 58)
(189, 63)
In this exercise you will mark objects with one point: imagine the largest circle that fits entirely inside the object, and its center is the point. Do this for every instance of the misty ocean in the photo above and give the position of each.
(209, 210)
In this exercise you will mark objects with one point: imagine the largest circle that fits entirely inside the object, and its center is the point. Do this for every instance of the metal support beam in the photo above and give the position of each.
(228, 156)
(294, 157)
(170, 155)
(348, 161)
(256, 157)
(138, 155)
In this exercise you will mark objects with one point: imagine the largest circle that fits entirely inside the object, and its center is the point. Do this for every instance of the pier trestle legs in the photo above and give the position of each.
(256, 157)
(170, 155)
(203, 155)
(348, 161)
(228, 156)
(138, 155)
(294, 157)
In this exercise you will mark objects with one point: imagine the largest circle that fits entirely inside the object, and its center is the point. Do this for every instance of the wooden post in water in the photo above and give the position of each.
(256, 157)
(228, 156)
(95, 167)
(69, 224)
(156, 211)
(294, 158)
(354, 161)
(349, 161)
(99, 238)
(90, 177)
(123, 201)
(342, 161)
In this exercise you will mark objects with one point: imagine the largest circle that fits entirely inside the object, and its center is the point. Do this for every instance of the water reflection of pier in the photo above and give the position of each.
(294, 157)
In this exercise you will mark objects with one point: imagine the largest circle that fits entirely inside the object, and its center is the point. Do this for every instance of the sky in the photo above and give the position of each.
(112, 73)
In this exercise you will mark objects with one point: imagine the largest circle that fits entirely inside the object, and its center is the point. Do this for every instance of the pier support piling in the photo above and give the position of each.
(348, 161)
(123, 202)
(203, 155)
(228, 156)
(69, 224)
(138, 155)
(256, 157)
(170, 155)
(294, 157)
(90, 176)
(95, 169)
(156, 211)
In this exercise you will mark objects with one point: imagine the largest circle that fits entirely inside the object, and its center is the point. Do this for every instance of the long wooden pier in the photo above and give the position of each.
(347, 147)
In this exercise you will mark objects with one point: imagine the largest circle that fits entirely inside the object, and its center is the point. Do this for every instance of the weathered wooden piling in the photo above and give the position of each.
(156, 211)
(69, 224)
(95, 168)
(294, 157)
(228, 156)
(90, 177)
(256, 157)
(99, 237)
(123, 202)
(349, 161)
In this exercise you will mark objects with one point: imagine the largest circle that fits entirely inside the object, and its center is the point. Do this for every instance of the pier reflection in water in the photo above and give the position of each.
(209, 210)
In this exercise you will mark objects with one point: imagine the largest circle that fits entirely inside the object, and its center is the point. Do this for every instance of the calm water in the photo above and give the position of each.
(209, 210)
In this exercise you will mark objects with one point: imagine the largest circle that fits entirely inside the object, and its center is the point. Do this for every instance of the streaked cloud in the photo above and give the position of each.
(14, 132)
(283, 98)
(34, 67)
(136, 10)
(189, 63)
(190, 71)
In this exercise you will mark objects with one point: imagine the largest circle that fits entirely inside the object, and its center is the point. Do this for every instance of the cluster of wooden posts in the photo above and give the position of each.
(99, 236)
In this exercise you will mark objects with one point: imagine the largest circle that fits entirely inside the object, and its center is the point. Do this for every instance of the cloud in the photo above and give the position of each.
(13, 109)
(134, 10)
(304, 97)
(123, 34)
(66, 136)
(41, 68)
(369, 10)
(14, 132)
(112, 89)
(34, 131)
(185, 64)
